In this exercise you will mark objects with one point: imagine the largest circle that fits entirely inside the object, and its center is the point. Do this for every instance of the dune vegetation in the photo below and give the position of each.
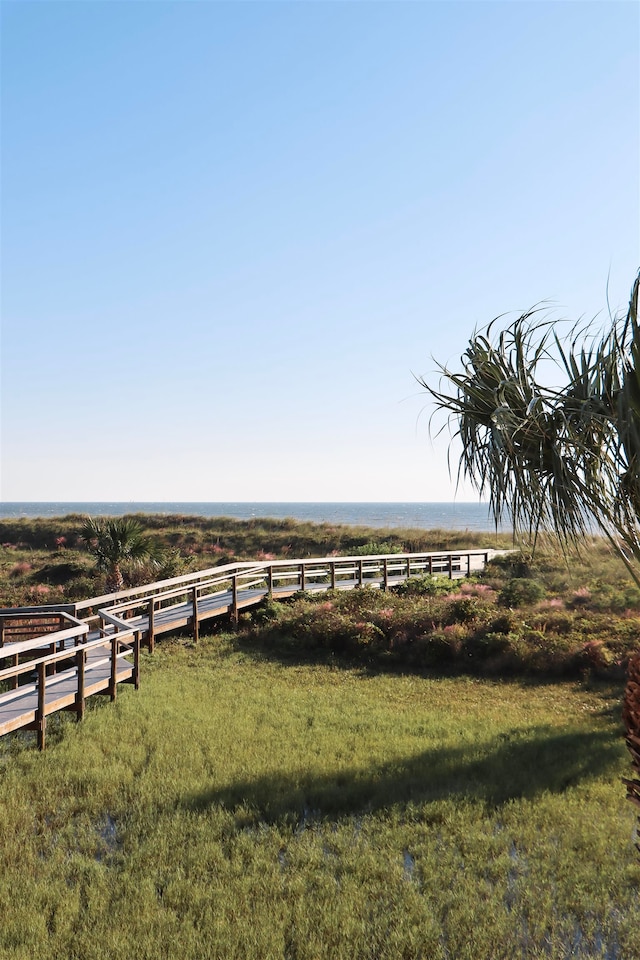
(434, 772)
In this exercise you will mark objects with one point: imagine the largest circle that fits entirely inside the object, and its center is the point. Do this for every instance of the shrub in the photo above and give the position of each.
(81, 588)
(484, 645)
(373, 548)
(438, 649)
(520, 591)
(594, 656)
(505, 623)
(464, 609)
(426, 586)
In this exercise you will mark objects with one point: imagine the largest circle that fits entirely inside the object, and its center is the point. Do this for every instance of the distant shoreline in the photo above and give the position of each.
(428, 515)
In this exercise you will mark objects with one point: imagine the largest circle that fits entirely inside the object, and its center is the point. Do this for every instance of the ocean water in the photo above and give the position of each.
(426, 516)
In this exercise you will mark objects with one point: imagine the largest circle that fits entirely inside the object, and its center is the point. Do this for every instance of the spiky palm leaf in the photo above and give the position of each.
(552, 459)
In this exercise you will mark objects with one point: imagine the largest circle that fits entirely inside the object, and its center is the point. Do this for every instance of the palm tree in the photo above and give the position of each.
(558, 459)
(114, 542)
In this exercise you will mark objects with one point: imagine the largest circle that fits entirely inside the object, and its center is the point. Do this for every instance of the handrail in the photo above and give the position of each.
(42, 640)
(29, 665)
(238, 566)
(244, 583)
(184, 578)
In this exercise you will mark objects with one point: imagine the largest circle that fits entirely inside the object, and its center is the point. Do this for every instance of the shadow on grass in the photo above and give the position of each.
(522, 765)
(287, 652)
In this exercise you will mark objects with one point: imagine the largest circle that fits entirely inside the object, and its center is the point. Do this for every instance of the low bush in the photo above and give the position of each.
(520, 591)
(426, 586)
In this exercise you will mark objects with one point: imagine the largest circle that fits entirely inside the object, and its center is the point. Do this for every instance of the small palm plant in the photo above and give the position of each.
(116, 542)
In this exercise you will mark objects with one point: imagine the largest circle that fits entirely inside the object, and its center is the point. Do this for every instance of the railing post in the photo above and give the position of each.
(52, 649)
(136, 659)
(13, 684)
(151, 639)
(80, 655)
(113, 682)
(408, 567)
(270, 581)
(1, 631)
(303, 579)
(41, 720)
(450, 567)
(195, 613)
(385, 574)
(333, 574)
(430, 565)
(234, 599)
(360, 572)
(468, 564)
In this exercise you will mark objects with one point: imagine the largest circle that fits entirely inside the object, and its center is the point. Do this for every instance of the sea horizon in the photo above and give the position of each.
(452, 515)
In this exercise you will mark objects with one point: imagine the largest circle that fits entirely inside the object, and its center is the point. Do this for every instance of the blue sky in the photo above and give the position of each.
(232, 232)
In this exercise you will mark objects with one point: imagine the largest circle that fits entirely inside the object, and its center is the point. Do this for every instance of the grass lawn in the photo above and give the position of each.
(240, 807)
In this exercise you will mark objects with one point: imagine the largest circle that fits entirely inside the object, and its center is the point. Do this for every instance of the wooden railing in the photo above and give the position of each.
(228, 588)
(75, 634)
(24, 622)
(72, 669)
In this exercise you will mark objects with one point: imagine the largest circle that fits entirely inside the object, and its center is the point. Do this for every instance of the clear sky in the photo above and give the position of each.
(232, 232)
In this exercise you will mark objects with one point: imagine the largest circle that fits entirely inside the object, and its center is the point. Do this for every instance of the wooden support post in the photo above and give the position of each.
(52, 649)
(385, 574)
(303, 579)
(333, 574)
(234, 599)
(80, 661)
(360, 578)
(450, 567)
(136, 659)
(270, 581)
(1, 631)
(13, 685)
(41, 719)
(468, 564)
(430, 565)
(113, 682)
(194, 600)
(408, 567)
(151, 624)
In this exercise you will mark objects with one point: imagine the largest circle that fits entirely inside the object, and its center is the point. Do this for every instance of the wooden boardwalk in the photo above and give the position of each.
(53, 658)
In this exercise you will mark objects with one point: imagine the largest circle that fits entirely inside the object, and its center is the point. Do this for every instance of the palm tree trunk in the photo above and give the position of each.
(115, 580)
(631, 719)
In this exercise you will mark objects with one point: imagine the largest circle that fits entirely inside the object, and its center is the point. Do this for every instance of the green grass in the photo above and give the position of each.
(237, 807)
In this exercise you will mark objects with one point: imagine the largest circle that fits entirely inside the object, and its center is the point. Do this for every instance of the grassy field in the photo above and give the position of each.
(239, 807)
(430, 773)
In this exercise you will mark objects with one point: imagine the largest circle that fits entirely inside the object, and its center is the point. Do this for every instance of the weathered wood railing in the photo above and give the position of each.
(19, 624)
(100, 637)
(73, 669)
(187, 600)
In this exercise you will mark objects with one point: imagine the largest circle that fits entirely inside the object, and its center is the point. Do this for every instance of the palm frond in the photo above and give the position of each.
(561, 459)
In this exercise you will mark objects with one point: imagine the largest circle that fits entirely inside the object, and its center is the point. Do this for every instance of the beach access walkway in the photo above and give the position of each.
(53, 658)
